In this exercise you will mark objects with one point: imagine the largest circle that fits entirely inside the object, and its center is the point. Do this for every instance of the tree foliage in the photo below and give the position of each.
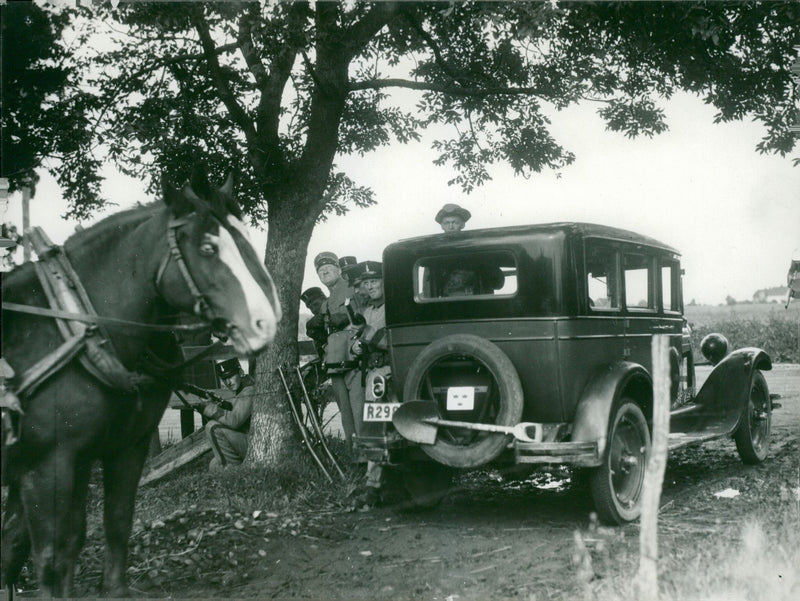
(271, 88)
(278, 90)
(33, 74)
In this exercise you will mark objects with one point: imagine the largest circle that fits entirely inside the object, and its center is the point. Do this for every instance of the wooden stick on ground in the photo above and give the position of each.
(647, 578)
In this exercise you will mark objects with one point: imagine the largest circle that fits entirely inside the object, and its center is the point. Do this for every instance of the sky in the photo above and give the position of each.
(700, 187)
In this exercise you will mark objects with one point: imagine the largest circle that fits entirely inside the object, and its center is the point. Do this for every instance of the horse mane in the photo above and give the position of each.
(111, 226)
(98, 233)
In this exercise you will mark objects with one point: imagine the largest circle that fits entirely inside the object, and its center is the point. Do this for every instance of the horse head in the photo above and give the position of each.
(212, 268)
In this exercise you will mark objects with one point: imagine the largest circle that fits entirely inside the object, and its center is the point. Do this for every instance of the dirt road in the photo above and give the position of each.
(490, 538)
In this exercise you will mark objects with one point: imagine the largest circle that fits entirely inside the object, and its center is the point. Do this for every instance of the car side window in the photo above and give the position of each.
(602, 277)
(670, 277)
(639, 294)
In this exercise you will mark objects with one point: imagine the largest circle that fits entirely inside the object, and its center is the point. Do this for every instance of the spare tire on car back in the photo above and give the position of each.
(465, 360)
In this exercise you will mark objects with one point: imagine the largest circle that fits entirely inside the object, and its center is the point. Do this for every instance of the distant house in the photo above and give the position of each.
(771, 295)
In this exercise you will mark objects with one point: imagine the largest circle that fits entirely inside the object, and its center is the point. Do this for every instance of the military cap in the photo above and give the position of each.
(325, 258)
(453, 209)
(311, 293)
(228, 368)
(366, 270)
(348, 261)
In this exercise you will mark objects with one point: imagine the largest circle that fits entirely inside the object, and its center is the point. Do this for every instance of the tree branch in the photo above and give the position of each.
(166, 61)
(236, 111)
(435, 48)
(452, 90)
(360, 33)
(244, 41)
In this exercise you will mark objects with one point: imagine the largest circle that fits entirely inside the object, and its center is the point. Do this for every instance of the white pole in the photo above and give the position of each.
(26, 223)
(647, 579)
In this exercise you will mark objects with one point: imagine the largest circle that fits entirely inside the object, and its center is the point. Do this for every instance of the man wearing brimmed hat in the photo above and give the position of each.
(452, 217)
(227, 430)
(371, 347)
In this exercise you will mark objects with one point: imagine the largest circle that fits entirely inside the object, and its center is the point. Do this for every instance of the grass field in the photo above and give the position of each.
(764, 325)
(702, 315)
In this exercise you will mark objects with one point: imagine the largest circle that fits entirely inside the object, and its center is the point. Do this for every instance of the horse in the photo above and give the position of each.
(189, 253)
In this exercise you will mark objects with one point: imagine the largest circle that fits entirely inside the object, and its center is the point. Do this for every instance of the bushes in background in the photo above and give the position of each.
(777, 333)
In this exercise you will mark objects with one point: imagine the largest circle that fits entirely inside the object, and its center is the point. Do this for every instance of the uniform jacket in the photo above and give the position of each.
(237, 418)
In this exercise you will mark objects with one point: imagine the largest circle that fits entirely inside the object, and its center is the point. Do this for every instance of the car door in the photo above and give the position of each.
(595, 338)
(651, 307)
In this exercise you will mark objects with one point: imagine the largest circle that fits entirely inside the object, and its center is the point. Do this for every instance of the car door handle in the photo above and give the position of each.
(661, 328)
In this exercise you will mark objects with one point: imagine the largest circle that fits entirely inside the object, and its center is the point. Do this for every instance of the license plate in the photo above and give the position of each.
(379, 412)
(460, 398)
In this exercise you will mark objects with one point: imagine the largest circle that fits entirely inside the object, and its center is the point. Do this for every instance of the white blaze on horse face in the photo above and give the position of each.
(271, 293)
(258, 327)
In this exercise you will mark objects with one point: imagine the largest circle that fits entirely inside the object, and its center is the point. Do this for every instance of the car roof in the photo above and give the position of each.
(498, 234)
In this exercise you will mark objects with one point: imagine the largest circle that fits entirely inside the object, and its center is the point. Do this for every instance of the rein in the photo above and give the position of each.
(100, 319)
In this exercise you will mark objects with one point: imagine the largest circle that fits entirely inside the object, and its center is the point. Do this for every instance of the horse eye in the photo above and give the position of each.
(208, 248)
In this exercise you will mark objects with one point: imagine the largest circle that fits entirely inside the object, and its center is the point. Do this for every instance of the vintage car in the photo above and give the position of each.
(545, 331)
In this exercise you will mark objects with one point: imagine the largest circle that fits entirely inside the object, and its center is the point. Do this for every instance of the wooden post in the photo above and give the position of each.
(26, 224)
(155, 444)
(647, 578)
(187, 422)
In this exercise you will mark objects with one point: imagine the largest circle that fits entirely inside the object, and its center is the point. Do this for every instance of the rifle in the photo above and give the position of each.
(202, 393)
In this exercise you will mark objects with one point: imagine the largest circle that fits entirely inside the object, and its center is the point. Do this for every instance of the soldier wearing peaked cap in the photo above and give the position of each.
(227, 430)
(325, 258)
(452, 217)
(346, 263)
(371, 347)
(348, 266)
(310, 295)
(314, 298)
(337, 322)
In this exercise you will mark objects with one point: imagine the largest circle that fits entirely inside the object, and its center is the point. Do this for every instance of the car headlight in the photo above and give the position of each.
(378, 387)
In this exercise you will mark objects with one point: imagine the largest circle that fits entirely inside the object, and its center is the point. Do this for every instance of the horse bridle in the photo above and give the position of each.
(201, 306)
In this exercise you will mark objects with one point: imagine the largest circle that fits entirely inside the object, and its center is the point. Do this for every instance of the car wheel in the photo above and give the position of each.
(471, 361)
(752, 434)
(617, 484)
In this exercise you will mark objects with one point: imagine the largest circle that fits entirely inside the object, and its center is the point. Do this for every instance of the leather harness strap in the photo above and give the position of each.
(72, 309)
(201, 306)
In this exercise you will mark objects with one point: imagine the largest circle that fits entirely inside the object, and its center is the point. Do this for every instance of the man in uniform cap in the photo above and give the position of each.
(314, 298)
(452, 217)
(372, 347)
(337, 318)
(227, 430)
(347, 265)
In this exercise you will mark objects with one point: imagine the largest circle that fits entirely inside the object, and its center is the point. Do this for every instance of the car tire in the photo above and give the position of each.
(617, 484)
(487, 446)
(753, 433)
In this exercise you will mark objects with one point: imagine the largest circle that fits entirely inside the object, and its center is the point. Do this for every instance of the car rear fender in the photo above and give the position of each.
(594, 408)
(720, 402)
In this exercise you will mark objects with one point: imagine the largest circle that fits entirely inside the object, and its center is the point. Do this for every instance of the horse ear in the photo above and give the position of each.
(227, 187)
(175, 200)
(199, 181)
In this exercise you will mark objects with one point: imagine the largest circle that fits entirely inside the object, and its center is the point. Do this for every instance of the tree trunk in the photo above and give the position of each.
(272, 438)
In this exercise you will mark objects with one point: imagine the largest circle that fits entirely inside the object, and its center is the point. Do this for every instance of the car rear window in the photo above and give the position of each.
(473, 276)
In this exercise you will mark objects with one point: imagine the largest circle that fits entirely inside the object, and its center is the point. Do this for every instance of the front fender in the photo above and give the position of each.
(594, 408)
(720, 403)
